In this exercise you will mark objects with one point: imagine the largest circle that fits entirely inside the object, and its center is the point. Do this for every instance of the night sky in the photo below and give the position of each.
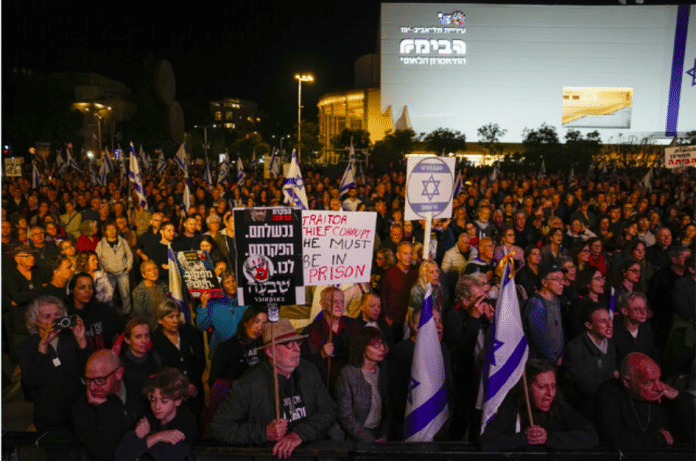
(248, 49)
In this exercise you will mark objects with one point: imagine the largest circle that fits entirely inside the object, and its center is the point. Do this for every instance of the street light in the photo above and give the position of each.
(300, 79)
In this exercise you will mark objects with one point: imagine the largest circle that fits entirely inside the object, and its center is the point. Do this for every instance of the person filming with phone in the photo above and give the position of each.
(52, 360)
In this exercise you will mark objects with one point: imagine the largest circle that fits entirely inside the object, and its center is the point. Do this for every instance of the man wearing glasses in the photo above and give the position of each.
(105, 413)
(247, 416)
(542, 317)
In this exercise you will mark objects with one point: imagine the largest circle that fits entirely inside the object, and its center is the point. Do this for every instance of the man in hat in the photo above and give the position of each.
(247, 416)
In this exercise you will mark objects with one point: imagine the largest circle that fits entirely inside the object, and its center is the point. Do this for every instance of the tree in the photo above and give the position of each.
(581, 151)
(393, 149)
(361, 139)
(247, 146)
(445, 140)
(689, 138)
(542, 145)
(489, 138)
(311, 146)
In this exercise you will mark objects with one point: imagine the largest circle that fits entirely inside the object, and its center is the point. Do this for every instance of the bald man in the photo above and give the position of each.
(639, 411)
(105, 413)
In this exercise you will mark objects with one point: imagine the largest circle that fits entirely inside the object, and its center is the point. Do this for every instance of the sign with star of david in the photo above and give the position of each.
(430, 183)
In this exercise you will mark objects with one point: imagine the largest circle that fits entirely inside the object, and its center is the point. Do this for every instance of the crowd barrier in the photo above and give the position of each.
(30, 446)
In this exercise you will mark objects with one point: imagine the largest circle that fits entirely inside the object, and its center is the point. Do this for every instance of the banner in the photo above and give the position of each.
(199, 274)
(13, 166)
(676, 157)
(269, 255)
(337, 247)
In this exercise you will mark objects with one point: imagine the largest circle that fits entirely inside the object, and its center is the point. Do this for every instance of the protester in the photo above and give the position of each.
(555, 425)
(641, 412)
(306, 410)
(362, 389)
(107, 409)
(222, 314)
(169, 428)
(52, 360)
(148, 294)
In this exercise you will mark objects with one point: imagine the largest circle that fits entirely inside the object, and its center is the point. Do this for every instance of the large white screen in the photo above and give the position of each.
(509, 64)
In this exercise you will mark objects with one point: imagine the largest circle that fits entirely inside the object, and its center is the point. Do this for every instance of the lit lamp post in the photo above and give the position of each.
(99, 111)
(300, 79)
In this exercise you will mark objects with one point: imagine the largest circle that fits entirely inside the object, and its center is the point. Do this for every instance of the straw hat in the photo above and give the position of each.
(284, 333)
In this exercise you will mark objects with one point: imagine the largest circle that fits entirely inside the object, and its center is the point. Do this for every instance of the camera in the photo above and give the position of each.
(64, 323)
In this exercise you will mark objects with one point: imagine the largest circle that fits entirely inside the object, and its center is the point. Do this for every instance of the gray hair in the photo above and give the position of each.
(32, 314)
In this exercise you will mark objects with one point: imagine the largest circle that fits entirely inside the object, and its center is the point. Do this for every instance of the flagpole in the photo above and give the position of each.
(526, 397)
(426, 236)
(275, 374)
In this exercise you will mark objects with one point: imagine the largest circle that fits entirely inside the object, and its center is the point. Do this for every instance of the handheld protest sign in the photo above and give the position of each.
(429, 187)
(337, 246)
(269, 249)
(199, 274)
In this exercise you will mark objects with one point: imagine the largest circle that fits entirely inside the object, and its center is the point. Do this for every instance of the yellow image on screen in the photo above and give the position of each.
(597, 107)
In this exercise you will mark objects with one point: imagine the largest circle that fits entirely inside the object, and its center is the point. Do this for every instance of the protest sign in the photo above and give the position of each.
(337, 246)
(13, 166)
(269, 255)
(198, 273)
(679, 156)
(429, 188)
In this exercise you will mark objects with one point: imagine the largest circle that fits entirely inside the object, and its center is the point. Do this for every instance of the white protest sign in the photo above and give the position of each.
(337, 246)
(13, 166)
(679, 156)
(429, 188)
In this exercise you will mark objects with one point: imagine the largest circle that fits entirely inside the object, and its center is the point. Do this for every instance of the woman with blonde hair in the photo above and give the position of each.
(429, 273)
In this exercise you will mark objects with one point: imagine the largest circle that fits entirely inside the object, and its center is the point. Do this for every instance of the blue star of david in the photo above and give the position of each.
(435, 184)
(412, 385)
(496, 345)
(692, 73)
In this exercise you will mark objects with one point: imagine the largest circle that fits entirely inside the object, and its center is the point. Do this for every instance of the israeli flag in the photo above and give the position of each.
(426, 405)
(459, 185)
(176, 293)
(124, 172)
(274, 166)
(71, 161)
(542, 171)
(240, 172)
(206, 175)
(187, 193)
(348, 179)
(108, 165)
(507, 350)
(293, 188)
(647, 180)
(224, 171)
(161, 164)
(92, 174)
(103, 172)
(136, 179)
(144, 158)
(60, 163)
(494, 173)
(35, 176)
(181, 158)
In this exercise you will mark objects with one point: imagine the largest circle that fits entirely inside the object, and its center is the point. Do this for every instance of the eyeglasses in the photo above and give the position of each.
(598, 278)
(100, 380)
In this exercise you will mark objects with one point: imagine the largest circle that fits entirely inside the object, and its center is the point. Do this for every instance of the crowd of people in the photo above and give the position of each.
(605, 276)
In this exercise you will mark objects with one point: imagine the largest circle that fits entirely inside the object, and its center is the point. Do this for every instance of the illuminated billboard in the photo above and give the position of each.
(620, 70)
